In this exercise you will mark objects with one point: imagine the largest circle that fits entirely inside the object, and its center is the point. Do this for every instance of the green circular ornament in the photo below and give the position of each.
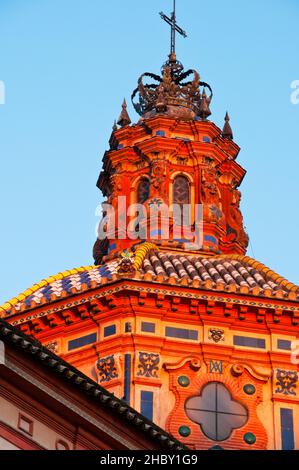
(184, 431)
(249, 389)
(249, 438)
(184, 381)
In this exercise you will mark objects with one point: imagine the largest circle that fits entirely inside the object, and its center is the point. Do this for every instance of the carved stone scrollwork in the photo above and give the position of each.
(212, 211)
(158, 179)
(148, 365)
(116, 186)
(235, 220)
(237, 370)
(286, 382)
(107, 369)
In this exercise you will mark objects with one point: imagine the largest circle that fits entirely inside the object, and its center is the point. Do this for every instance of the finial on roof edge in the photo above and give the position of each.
(124, 118)
(227, 132)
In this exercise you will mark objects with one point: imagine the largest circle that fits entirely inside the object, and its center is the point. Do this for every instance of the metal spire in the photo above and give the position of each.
(174, 29)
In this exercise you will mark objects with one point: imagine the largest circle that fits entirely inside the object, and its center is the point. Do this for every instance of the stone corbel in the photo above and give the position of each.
(193, 306)
(210, 307)
(37, 326)
(95, 307)
(175, 304)
(243, 309)
(68, 317)
(228, 310)
(82, 309)
(277, 315)
(159, 300)
(111, 301)
(142, 298)
(261, 315)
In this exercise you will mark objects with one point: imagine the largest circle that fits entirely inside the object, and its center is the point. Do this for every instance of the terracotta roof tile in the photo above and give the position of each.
(219, 270)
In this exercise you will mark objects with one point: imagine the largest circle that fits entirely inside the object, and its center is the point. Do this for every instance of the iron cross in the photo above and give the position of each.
(174, 27)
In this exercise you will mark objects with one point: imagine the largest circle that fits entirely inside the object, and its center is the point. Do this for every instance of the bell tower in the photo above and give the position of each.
(175, 163)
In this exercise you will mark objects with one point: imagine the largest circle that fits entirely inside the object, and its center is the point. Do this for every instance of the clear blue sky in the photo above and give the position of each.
(67, 65)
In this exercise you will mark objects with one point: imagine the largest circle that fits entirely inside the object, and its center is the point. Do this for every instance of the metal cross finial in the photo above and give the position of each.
(174, 28)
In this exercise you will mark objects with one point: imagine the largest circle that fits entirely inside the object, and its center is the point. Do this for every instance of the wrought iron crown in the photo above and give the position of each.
(172, 94)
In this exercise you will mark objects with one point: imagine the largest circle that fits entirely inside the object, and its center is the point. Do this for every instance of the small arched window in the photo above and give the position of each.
(181, 190)
(143, 190)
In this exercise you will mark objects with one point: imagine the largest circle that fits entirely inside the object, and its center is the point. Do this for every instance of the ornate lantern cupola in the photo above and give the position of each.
(173, 157)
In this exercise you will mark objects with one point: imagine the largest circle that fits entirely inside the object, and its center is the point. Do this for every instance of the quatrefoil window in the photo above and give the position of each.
(216, 412)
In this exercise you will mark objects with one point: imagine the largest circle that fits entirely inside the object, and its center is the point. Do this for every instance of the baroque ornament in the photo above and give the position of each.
(286, 382)
(107, 369)
(126, 264)
(148, 364)
(173, 93)
(216, 335)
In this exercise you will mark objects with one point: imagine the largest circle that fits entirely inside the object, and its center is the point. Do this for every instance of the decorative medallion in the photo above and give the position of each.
(216, 335)
(249, 389)
(107, 369)
(184, 381)
(148, 364)
(184, 431)
(249, 438)
(286, 382)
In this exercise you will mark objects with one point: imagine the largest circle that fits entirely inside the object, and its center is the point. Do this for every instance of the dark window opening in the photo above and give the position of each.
(249, 342)
(148, 327)
(284, 344)
(83, 341)
(181, 198)
(287, 429)
(109, 330)
(127, 381)
(143, 190)
(181, 333)
(146, 404)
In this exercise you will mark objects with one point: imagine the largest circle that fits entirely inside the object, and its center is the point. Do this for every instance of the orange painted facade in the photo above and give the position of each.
(155, 315)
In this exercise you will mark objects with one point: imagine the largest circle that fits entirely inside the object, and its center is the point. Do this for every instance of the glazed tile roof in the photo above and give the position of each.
(223, 271)
(87, 386)
(63, 285)
(234, 273)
